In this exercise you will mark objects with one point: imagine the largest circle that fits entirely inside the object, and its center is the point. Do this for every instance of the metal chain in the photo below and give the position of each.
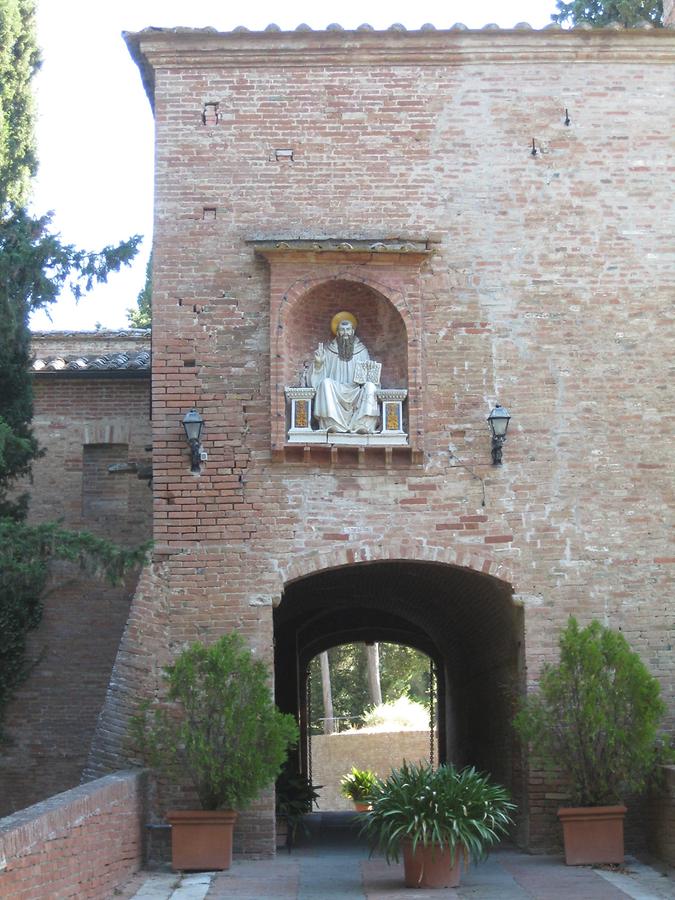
(432, 717)
(309, 723)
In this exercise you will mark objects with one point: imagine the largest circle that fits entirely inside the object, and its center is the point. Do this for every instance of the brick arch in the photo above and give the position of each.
(453, 603)
(313, 562)
(299, 288)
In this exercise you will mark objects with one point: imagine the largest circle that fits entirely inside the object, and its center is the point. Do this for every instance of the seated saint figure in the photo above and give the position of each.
(346, 381)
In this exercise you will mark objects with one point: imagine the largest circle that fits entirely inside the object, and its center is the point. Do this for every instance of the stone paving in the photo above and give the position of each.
(331, 864)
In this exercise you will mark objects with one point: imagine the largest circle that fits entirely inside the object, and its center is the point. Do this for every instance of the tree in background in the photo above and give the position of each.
(141, 316)
(628, 13)
(403, 671)
(34, 267)
(19, 60)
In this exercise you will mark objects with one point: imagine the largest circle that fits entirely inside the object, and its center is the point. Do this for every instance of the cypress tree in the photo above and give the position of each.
(35, 265)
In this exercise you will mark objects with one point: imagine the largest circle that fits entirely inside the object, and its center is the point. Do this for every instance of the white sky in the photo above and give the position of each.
(95, 128)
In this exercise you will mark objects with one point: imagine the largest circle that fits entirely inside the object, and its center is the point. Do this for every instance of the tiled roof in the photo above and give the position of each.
(396, 37)
(396, 26)
(138, 361)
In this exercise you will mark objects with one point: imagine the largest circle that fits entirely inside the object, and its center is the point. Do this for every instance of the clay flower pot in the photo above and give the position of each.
(201, 840)
(592, 834)
(430, 867)
(361, 806)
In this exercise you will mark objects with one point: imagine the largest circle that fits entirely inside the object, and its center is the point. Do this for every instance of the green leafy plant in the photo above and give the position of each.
(595, 716)
(460, 810)
(223, 732)
(358, 785)
(25, 555)
(295, 796)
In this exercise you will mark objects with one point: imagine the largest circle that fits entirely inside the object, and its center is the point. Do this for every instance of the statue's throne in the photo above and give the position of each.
(303, 428)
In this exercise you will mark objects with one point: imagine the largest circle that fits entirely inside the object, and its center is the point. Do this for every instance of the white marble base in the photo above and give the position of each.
(348, 440)
(388, 439)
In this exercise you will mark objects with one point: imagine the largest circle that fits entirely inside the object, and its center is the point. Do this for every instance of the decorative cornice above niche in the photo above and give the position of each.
(411, 249)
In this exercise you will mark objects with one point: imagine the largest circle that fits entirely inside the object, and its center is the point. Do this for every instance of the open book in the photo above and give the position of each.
(367, 371)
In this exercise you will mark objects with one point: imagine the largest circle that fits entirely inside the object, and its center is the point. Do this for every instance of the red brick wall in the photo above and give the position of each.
(84, 424)
(548, 290)
(82, 843)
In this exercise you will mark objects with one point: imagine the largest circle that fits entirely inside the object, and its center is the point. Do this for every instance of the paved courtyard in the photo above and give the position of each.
(332, 864)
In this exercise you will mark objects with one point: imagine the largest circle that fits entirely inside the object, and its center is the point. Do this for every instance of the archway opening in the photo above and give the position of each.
(370, 707)
(463, 620)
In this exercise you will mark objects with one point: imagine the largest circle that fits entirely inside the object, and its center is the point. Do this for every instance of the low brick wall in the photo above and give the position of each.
(80, 844)
(662, 818)
(333, 755)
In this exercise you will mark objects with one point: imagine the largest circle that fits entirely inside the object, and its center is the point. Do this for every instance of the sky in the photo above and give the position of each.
(95, 127)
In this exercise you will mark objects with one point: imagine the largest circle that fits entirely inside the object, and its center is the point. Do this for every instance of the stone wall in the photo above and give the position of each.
(82, 843)
(546, 284)
(333, 755)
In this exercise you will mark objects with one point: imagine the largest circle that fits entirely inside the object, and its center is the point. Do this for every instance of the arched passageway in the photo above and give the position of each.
(465, 621)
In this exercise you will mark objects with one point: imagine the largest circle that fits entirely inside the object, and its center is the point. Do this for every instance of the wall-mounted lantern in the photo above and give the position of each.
(498, 420)
(193, 425)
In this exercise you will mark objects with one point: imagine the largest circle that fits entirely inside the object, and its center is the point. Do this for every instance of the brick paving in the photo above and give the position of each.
(332, 864)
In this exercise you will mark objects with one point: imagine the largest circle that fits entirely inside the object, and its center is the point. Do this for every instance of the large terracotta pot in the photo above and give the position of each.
(361, 805)
(429, 867)
(201, 840)
(592, 834)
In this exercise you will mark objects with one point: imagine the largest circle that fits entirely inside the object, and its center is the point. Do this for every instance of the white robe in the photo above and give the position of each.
(340, 404)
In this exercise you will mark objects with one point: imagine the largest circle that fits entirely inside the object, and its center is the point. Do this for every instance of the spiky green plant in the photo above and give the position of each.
(358, 785)
(448, 808)
(295, 797)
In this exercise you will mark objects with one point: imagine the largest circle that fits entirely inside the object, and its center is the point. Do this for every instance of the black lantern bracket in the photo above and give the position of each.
(193, 424)
(498, 420)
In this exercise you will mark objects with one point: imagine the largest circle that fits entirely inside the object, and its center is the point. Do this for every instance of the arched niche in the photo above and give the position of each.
(380, 327)
(380, 284)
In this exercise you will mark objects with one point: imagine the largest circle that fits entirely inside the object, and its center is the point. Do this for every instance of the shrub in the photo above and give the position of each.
(595, 716)
(224, 732)
(397, 715)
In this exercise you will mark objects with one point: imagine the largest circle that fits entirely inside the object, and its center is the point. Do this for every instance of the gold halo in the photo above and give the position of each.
(340, 317)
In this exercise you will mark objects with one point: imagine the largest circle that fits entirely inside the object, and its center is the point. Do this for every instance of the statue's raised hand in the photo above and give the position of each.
(319, 356)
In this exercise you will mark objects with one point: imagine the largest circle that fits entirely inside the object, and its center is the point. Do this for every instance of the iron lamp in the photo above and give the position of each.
(498, 420)
(193, 425)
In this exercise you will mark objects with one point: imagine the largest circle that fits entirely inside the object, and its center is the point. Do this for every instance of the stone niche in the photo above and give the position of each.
(307, 290)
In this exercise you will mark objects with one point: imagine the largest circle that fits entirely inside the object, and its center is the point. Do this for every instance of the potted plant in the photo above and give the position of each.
(358, 786)
(594, 718)
(436, 818)
(223, 733)
(295, 796)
